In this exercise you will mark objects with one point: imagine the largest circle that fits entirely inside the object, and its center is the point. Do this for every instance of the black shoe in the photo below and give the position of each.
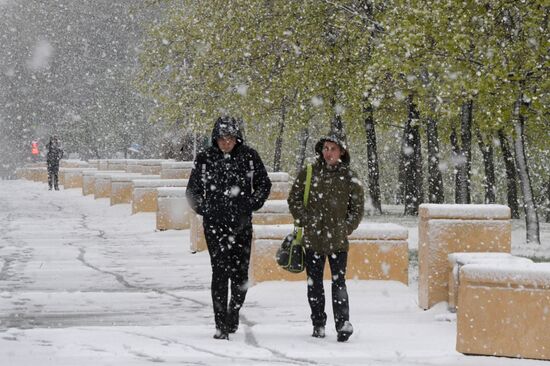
(49, 189)
(344, 332)
(221, 334)
(57, 188)
(232, 321)
(318, 331)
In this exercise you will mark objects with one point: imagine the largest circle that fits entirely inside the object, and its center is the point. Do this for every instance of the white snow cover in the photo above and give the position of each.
(171, 192)
(154, 162)
(85, 283)
(463, 211)
(76, 170)
(365, 230)
(510, 274)
(177, 165)
(278, 176)
(100, 173)
(117, 161)
(143, 183)
(79, 163)
(484, 257)
(128, 177)
(274, 206)
(387, 231)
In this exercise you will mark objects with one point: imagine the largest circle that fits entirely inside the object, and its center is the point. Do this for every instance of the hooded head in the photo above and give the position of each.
(336, 135)
(226, 126)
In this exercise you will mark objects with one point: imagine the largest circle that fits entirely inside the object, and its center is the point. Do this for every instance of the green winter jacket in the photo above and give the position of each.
(334, 210)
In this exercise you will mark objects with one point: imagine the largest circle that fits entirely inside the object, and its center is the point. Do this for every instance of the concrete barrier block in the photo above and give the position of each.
(72, 177)
(504, 310)
(445, 229)
(196, 233)
(173, 210)
(457, 260)
(144, 193)
(176, 169)
(377, 252)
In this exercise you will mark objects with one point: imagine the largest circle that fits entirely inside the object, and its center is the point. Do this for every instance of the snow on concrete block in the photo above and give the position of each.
(73, 163)
(173, 210)
(196, 233)
(504, 310)
(102, 164)
(278, 176)
(373, 254)
(122, 186)
(457, 260)
(279, 191)
(464, 211)
(273, 212)
(475, 228)
(152, 166)
(93, 163)
(116, 164)
(102, 183)
(144, 192)
(72, 177)
(132, 166)
(176, 169)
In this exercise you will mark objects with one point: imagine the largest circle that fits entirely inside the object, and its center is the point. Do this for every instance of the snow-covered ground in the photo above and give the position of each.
(85, 283)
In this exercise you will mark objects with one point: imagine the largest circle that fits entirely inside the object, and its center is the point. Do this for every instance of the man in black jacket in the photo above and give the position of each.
(228, 182)
(54, 155)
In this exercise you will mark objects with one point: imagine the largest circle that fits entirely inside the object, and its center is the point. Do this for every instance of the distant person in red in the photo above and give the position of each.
(55, 153)
(34, 150)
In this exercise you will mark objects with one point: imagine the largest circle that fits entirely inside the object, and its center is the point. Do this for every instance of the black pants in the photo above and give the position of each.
(53, 173)
(230, 258)
(315, 265)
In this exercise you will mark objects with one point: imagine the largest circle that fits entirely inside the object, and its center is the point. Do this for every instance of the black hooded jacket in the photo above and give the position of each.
(226, 188)
(54, 155)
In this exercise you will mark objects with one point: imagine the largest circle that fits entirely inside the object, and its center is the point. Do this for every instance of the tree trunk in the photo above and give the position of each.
(463, 161)
(548, 200)
(279, 141)
(435, 180)
(489, 180)
(304, 137)
(372, 160)
(531, 216)
(456, 158)
(413, 161)
(511, 174)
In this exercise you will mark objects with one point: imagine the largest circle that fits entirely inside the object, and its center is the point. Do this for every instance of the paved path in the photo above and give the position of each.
(85, 283)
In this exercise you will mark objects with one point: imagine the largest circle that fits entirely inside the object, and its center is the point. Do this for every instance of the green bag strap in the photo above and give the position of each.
(308, 183)
(306, 197)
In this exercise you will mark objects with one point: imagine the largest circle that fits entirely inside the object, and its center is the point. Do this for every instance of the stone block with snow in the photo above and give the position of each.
(144, 192)
(280, 186)
(196, 233)
(173, 210)
(504, 310)
(122, 186)
(377, 252)
(445, 229)
(176, 169)
(273, 212)
(116, 164)
(457, 260)
(72, 177)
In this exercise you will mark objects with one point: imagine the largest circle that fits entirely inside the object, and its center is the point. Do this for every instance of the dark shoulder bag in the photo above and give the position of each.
(290, 256)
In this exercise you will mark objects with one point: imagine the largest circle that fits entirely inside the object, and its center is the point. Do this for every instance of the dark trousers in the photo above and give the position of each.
(315, 265)
(53, 173)
(230, 258)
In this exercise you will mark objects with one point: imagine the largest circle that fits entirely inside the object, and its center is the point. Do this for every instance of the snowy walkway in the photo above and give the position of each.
(83, 283)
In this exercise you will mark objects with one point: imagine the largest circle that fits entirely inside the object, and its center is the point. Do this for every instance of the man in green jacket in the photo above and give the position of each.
(335, 208)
